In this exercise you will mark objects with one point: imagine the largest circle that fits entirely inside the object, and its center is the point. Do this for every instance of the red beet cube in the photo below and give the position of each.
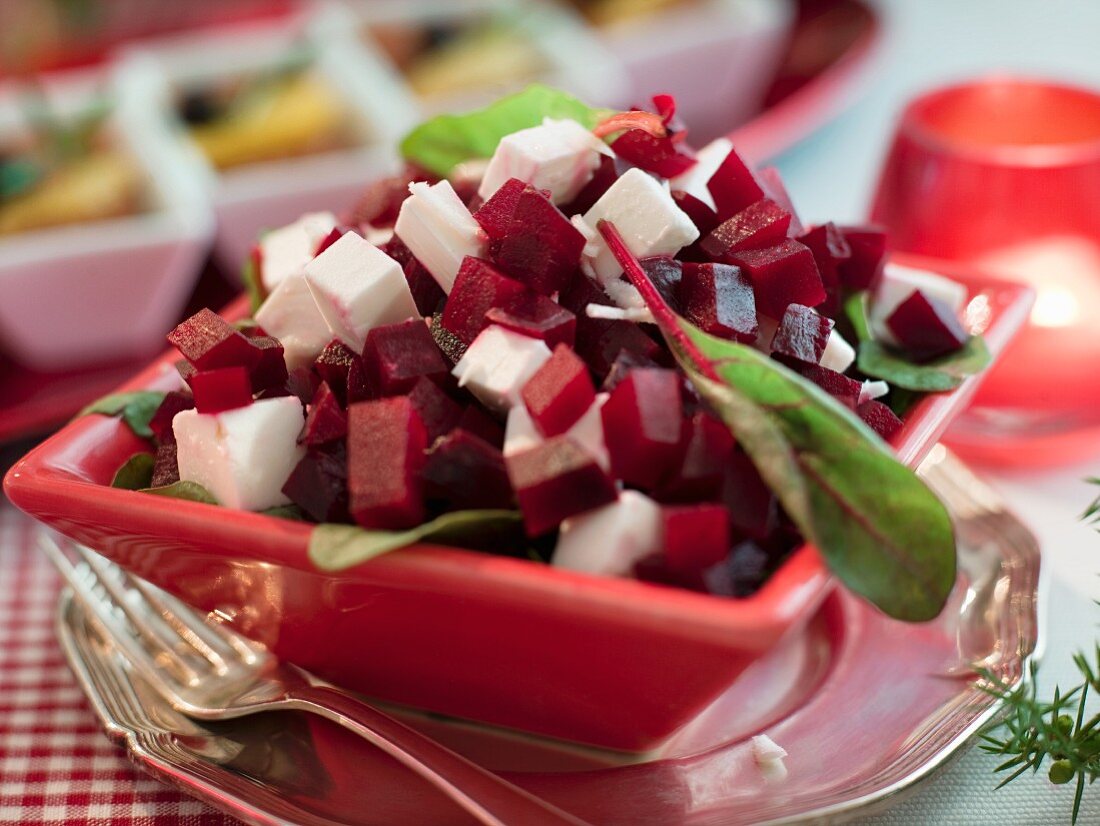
(478, 287)
(427, 295)
(662, 156)
(774, 188)
(753, 508)
(208, 341)
(463, 471)
(707, 445)
(621, 367)
(269, 371)
(537, 316)
(497, 214)
(333, 366)
(326, 420)
(643, 422)
(704, 218)
(863, 268)
(718, 299)
(802, 334)
(605, 175)
(333, 236)
(926, 327)
(450, 345)
(166, 469)
(319, 485)
(539, 247)
(559, 393)
(600, 341)
(475, 420)
(782, 275)
(438, 411)
(396, 355)
(303, 383)
(844, 389)
(762, 224)
(695, 536)
(386, 444)
(555, 480)
(733, 187)
(665, 273)
(380, 204)
(161, 423)
(830, 249)
(221, 389)
(880, 418)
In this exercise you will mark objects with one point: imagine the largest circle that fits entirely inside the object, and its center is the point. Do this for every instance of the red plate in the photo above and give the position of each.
(612, 662)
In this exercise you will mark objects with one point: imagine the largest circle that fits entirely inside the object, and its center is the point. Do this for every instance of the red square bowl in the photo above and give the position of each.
(612, 662)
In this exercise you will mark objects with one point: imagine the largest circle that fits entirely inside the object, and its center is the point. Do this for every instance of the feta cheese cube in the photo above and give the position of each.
(644, 213)
(242, 456)
(291, 315)
(610, 539)
(559, 155)
(358, 287)
(440, 231)
(497, 365)
(838, 354)
(872, 390)
(286, 251)
(520, 432)
(898, 283)
(707, 160)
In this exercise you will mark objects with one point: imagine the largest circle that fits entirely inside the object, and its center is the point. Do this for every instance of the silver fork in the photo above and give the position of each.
(209, 672)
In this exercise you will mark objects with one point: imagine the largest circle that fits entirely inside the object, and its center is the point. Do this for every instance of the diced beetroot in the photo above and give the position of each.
(761, 224)
(540, 247)
(555, 480)
(707, 445)
(926, 327)
(559, 393)
(222, 389)
(326, 420)
(319, 484)
(396, 355)
(782, 275)
(381, 202)
(497, 214)
(747, 568)
(269, 371)
(333, 365)
(623, 364)
(605, 175)
(208, 341)
(802, 334)
(665, 273)
(427, 295)
(303, 383)
(774, 188)
(161, 423)
(880, 418)
(334, 235)
(185, 369)
(475, 420)
(733, 187)
(396, 249)
(166, 469)
(438, 411)
(616, 338)
(463, 471)
(661, 156)
(844, 389)
(359, 385)
(695, 536)
(448, 343)
(537, 316)
(830, 249)
(863, 268)
(478, 287)
(753, 508)
(704, 218)
(386, 444)
(718, 299)
(643, 422)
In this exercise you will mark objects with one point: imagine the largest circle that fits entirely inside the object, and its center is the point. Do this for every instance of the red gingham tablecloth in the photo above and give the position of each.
(56, 765)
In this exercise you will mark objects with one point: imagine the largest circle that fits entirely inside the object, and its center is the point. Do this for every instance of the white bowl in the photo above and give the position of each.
(110, 289)
(268, 194)
(576, 61)
(718, 58)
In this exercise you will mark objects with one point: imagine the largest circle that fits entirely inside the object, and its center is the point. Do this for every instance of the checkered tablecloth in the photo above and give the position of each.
(56, 765)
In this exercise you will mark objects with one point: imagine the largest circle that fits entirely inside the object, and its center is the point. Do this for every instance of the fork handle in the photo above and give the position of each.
(490, 798)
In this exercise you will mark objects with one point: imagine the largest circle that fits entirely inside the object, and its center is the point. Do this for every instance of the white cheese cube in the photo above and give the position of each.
(647, 218)
(242, 456)
(707, 160)
(559, 155)
(286, 251)
(358, 287)
(520, 432)
(898, 283)
(497, 365)
(610, 539)
(440, 231)
(872, 390)
(769, 757)
(838, 354)
(291, 315)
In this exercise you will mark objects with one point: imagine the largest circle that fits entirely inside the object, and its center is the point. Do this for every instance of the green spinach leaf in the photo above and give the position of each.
(135, 408)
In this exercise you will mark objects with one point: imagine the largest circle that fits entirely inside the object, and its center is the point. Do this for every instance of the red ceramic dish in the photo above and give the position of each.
(611, 662)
